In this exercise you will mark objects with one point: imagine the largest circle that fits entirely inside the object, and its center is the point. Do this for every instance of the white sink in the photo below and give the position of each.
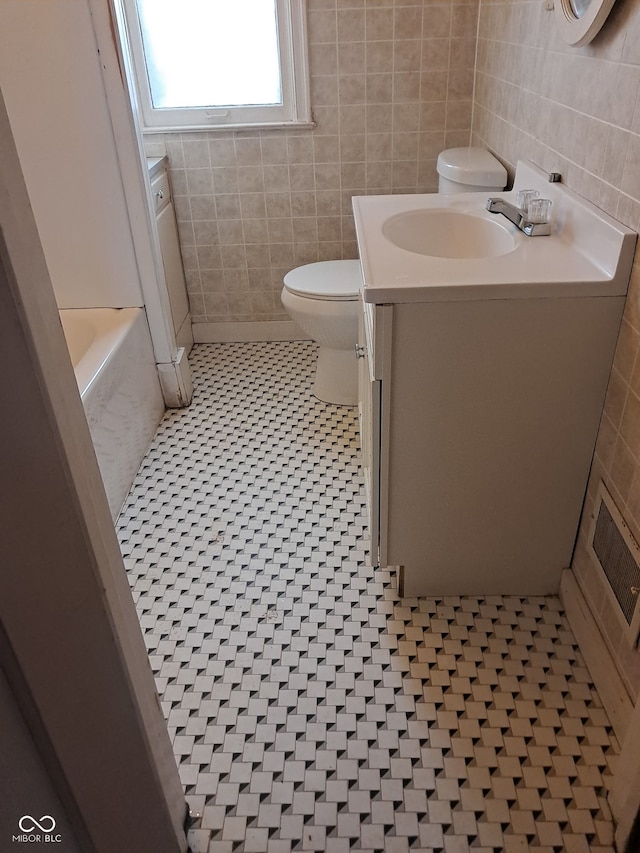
(434, 248)
(444, 233)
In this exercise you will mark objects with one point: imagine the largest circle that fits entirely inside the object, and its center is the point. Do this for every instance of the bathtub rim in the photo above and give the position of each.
(112, 326)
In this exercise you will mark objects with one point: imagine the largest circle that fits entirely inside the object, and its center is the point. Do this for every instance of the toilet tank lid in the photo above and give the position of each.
(473, 166)
(325, 280)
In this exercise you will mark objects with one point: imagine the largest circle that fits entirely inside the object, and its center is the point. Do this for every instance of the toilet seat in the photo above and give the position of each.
(334, 281)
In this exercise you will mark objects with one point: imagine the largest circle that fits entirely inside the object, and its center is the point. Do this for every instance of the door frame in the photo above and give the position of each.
(71, 644)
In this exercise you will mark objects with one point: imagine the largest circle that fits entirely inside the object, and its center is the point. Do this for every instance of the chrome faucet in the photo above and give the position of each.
(519, 217)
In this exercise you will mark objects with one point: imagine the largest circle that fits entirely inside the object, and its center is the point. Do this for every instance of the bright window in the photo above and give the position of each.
(208, 63)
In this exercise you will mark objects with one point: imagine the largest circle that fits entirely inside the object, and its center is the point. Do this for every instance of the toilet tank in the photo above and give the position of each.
(468, 170)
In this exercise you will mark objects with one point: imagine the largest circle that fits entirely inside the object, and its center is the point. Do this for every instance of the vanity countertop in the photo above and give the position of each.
(155, 165)
(587, 254)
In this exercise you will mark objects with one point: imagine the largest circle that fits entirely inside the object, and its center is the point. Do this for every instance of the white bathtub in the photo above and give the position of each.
(115, 369)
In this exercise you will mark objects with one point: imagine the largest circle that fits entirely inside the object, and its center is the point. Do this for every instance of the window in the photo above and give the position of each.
(211, 63)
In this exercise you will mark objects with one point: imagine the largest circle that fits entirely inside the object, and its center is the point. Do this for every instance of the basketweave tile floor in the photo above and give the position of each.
(310, 708)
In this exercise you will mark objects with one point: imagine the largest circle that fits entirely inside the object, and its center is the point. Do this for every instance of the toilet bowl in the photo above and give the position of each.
(322, 298)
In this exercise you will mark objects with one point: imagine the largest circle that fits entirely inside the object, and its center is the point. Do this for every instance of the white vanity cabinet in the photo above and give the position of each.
(479, 421)
(167, 230)
(485, 361)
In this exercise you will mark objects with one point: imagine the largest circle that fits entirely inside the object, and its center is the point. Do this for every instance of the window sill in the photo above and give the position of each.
(216, 128)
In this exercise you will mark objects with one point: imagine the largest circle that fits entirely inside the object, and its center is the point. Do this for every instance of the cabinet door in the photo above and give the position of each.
(172, 261)
(369, 412)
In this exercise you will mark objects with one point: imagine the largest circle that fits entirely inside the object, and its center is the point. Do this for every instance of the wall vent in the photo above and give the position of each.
(617, 557)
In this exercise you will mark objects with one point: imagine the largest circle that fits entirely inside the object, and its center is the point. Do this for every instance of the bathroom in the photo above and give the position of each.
(385, 103)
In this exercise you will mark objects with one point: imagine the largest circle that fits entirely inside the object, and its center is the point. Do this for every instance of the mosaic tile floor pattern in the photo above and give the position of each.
(311, 708)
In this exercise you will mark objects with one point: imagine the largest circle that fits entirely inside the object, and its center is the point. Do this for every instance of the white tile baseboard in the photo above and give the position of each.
(277, 330)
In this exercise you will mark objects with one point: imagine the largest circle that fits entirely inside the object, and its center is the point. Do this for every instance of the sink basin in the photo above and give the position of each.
(442, 233)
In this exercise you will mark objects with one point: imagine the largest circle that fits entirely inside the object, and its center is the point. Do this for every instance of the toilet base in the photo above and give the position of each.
(336, 377)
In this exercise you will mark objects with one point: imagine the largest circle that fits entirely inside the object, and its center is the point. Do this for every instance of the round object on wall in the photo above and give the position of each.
(580, 21)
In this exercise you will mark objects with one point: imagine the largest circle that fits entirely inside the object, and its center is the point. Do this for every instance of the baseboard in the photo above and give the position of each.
(175, 381)
(184, 335)
(600, 663)
(278, 330)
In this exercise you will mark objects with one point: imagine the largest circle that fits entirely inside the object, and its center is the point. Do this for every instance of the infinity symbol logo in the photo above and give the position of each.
(28, 823)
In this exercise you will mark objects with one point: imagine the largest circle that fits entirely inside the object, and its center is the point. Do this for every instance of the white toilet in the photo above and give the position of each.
(322, 298)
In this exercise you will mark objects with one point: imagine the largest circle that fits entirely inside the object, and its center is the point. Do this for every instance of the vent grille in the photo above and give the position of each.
(616, 554)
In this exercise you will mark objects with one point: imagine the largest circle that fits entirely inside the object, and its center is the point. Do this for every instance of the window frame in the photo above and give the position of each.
(294, 68)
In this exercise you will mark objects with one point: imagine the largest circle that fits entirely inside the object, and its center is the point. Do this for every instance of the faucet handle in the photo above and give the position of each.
(523, 197)
(538, 211)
